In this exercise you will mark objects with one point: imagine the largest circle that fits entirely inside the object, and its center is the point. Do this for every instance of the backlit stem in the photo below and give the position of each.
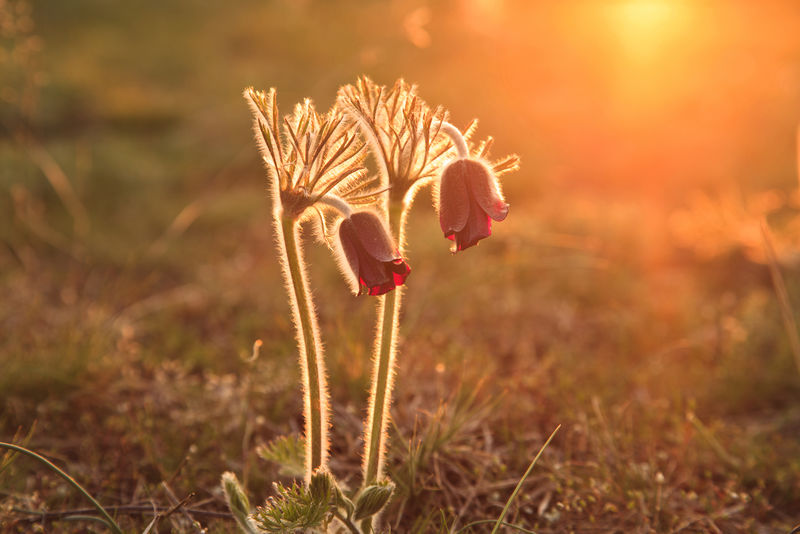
(310, 349)
(458, 139)
(337, 203)
(383, 373)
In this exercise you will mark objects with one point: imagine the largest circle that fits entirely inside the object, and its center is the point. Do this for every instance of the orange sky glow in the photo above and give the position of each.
(652, 96)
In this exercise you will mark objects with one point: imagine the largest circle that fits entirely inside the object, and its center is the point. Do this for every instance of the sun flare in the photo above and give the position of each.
(646, 29)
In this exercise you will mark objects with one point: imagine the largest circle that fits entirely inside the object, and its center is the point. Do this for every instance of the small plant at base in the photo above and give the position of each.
(307, 508)
(294, 508)
(287, 452)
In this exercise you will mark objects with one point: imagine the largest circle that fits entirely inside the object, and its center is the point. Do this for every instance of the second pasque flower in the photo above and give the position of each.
(371, 256)
(469, 198)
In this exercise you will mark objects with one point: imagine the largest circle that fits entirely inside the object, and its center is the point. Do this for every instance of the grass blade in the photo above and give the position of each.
(106, 517)
(509, 525)
(789, 321)
(500, 519)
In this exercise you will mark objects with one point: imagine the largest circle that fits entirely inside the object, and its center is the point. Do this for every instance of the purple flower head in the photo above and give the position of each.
(469, 198)
(372, 257)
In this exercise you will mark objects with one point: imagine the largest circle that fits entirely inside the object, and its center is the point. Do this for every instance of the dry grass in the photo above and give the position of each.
(671, 420)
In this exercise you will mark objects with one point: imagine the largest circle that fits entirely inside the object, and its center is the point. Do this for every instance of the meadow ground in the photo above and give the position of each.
(630, 297)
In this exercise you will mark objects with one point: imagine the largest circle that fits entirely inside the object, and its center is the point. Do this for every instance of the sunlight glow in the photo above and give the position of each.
(653, 45)
(645, 28)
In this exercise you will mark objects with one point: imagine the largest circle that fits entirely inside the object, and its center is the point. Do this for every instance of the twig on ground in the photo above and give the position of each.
(179, 505)
(127, 509)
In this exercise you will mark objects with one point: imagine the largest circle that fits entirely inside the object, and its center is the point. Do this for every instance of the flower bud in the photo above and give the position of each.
(321, 486)
(372, 499)
(237, 500)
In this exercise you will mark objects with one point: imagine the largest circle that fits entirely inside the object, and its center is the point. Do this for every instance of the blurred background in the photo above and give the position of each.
(642, 101)
(648, 269)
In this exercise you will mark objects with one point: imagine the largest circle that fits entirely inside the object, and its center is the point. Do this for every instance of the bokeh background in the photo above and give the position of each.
(641, 293)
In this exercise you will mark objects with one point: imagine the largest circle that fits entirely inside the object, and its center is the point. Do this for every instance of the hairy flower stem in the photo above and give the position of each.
(458, 139)
(310, 348)
(380, 396)
(383, 373)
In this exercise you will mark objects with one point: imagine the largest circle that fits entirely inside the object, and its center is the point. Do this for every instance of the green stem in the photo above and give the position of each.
(315, 398)
(382, 378)
(346, 522)
(106, 517)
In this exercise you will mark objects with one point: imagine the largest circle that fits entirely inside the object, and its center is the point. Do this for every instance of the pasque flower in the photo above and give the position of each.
(469, 195)
(403, 134)
(371, 257)
(314, 161)
(468, 201)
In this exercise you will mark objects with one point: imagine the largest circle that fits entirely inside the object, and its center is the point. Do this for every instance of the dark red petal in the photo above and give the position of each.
(373, 272)
(368, 271)
(483, 188)
(400, 270)
(479, 226)
(350, 244)
(381, 289)
(374, 236)
(453, 198)
(363, 237)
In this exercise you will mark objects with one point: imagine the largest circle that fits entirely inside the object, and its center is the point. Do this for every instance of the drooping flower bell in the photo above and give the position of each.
(372, 259)
(469, 195)
(468, 201)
